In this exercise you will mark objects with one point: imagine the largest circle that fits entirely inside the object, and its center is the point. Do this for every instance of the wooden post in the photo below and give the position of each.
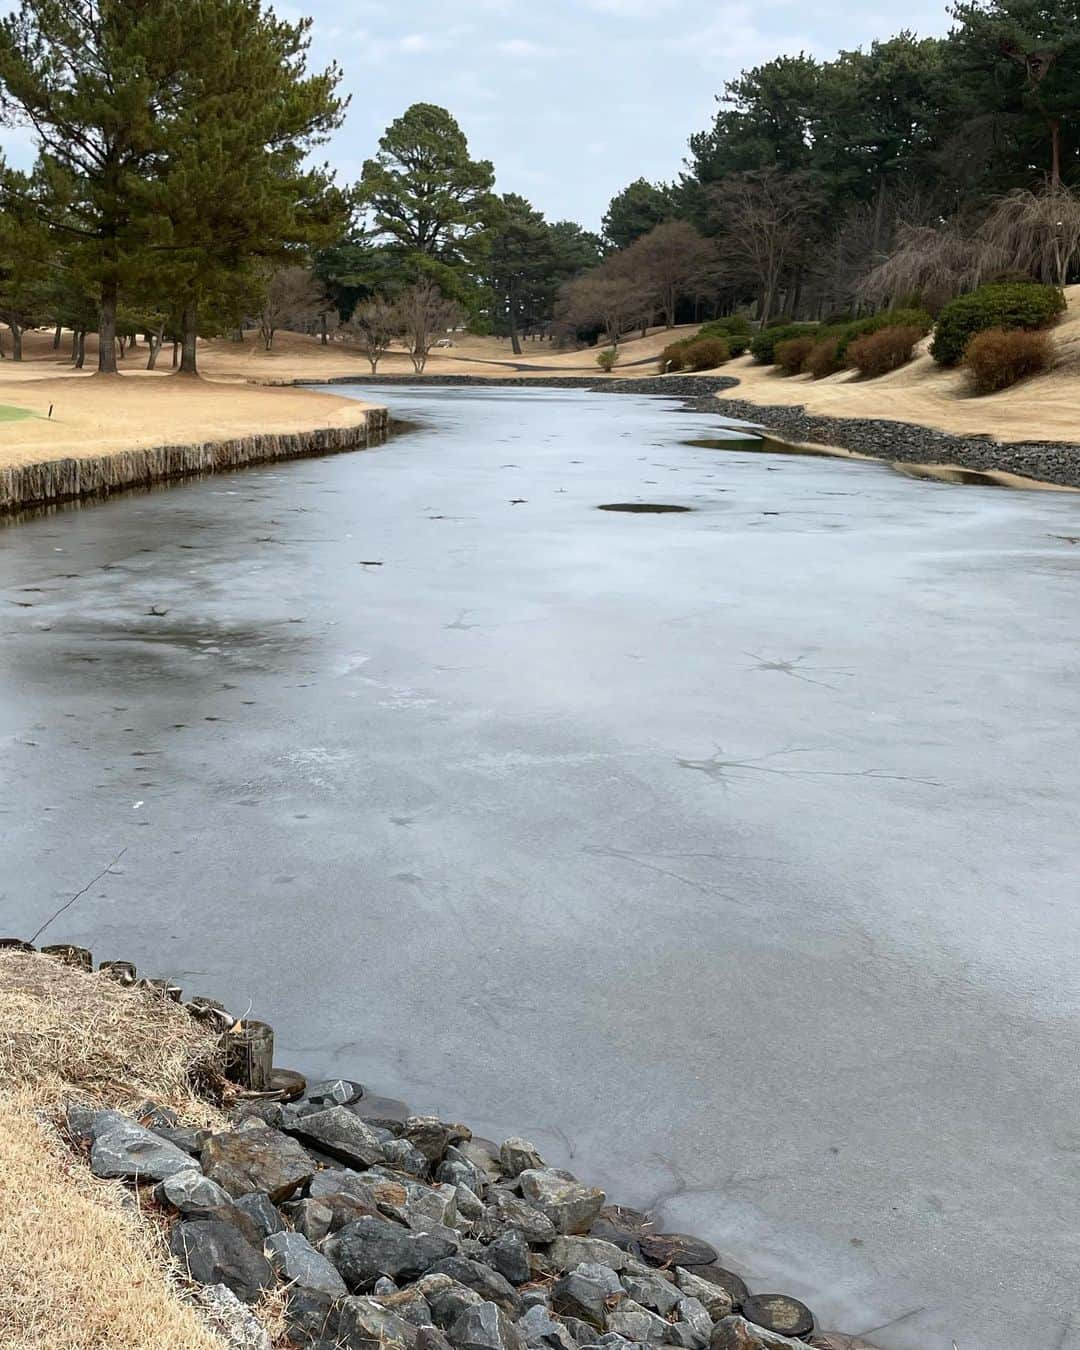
(249, 1056)
(123, 972)
(78, 957)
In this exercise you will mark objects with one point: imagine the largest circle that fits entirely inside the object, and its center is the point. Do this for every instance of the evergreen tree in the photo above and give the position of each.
(636, 210)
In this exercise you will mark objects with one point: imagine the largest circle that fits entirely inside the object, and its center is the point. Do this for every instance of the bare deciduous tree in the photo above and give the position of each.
(939, 261)
(423, 315)
(292, 298)
(672, 262)
(767, 219)
(610, 297)
(374, 325)
(1038, 232)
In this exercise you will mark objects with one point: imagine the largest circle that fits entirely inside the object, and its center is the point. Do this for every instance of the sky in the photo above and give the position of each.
(570, 99)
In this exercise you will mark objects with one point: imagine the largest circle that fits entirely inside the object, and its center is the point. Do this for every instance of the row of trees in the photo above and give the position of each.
(815, 172)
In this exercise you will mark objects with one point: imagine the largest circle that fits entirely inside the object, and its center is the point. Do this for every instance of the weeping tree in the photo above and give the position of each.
(1039, 232)
(936, 261)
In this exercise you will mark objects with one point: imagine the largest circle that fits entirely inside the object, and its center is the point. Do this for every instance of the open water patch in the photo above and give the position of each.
(645, 508)
(762, 445)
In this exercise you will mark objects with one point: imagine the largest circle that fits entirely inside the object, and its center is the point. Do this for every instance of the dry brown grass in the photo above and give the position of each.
(67, 1033)
(83, 1268)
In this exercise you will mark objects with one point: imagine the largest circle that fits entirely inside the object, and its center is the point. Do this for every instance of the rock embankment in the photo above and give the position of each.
(897, 442)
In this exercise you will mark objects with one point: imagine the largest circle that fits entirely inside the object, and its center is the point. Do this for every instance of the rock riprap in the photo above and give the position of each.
(408, 1234)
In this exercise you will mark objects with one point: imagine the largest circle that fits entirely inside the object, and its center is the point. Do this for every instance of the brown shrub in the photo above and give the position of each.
(673, 358)
(824, 358)
(707, 354)
(791, 355)
(1000, 357)
(888, 349)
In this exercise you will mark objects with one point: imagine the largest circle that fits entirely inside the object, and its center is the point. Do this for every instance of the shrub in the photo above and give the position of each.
(824, 358)
(734, 330)
(997, 358)
(887, 349)
(1026, 305)
(763, 346)
(791, 354)
(607, 359)
(706, 353)
(673, 357)
(874, 323)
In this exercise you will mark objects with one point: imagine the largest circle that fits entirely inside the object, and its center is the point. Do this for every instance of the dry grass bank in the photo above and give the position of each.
(83, 1268)
(1046, 408)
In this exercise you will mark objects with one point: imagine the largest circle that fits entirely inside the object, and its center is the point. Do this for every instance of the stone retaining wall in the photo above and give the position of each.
(60, 480)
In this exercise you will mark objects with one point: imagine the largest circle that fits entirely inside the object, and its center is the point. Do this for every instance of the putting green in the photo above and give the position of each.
(10, 414)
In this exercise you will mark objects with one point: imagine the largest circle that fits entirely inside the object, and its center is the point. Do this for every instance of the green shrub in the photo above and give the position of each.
(874, 323)
(996, 358)
(824, 358)
(1026, 305)
(791, 354)
(607, 359)
(734, 330)
(763, 346)
(707, 353)
(887, 349)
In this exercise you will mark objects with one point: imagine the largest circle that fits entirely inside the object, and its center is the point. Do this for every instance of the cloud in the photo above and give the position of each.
(519, 47)
(416, 42)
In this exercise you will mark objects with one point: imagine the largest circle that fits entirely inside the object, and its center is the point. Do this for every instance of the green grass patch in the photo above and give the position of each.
(10, 414)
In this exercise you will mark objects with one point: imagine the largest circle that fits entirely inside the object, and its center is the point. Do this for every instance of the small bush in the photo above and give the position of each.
(791, 354)
(998, 357)
(707, 353)
(887, 349)
(673, 357)
(763, 346)
(734, 330)
(607, 359)
(824, 358)
(874, 323)
(1026, 305)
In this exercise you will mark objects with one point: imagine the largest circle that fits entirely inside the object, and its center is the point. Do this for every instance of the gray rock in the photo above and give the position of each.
(517, 1156)
(605, 1279)
(431, 1338)
(481, 1154)
(124, 1150)
(576, 1296)
(581, 1332)
(259, 1209)
(485, 1327)
(675, 1249)
(80, 1120)
(363, 1324)
(509, 1255)
(429, 1205)
(403, 1156)
(469, 1206)
(780, 1313)
(312, 1218)
(428, 1135)
(311, 1317)
(334, 1092)
(384, 1285)
(192, 1193)
(652, 1292)
(297, 1262)
(371, 1189)
(715, 1299)
(736, 1333)
(487, 1282)
(459, 1169)
(505, 1210)
(570, 1206)
(447, 1299)
(259, 1159)
(339, 1134)
(215, 1253)
(733, 1284)
(636, 1323)
(185, 1137)
(535, 1297)
(543, 1331)
(565, 1253)
(368, 1248)
(694, 1316)
(233, 1321)
(408, 1304)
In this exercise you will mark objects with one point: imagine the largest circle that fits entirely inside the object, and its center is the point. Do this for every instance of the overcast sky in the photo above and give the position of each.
(570, 99)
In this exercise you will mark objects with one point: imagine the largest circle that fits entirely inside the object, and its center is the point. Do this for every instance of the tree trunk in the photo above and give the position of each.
(1055, 155)
(80, 349)
(189, 333)
(515, 340)
(107, 330)
(57, 336)
(323, 333)
(155, 340)
(74, 343)
(16, 341)
(175, 353)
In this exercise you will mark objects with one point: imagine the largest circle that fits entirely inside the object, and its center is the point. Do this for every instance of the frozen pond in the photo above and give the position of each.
(731, 854)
